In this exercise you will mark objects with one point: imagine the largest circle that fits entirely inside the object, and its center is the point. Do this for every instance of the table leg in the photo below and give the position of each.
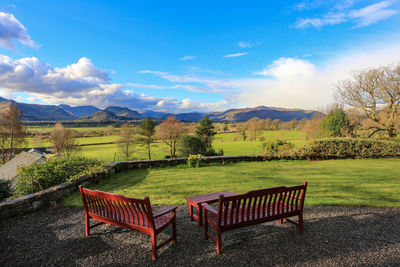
(191, 212)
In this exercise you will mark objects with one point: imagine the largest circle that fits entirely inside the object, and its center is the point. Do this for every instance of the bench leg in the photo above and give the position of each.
(301, 229)
(174, 235)
(205, 225)
(219, 248)
(87, 224)
(154, 245)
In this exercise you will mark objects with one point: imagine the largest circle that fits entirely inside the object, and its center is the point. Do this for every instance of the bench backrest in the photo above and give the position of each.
(118, 208)
(258, 205)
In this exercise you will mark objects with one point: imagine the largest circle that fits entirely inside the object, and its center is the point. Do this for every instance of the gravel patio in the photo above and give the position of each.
(333, 236)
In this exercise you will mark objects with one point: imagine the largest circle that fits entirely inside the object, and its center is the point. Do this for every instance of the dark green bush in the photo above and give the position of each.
(191, 145)
(5, 190)
(350, 148)
(53, 172)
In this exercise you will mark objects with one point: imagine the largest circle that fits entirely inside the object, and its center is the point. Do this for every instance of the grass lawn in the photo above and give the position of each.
(364, 182)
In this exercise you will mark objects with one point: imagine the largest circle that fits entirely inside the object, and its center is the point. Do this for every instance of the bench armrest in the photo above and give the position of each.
(209, 208)
(170, 209)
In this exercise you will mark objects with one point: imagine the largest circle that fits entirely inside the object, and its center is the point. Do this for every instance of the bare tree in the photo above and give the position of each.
(376, 93)
(147, 133)
(64, 142)
(11, 131)
(169, 131)
(242, 129)
(254, 126)
(126, 142)
(110, 130)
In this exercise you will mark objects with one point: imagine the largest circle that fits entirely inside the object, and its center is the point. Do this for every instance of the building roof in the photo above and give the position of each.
(9, 170)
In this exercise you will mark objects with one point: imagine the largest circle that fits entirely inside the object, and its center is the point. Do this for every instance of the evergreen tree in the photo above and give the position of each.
(205, 131)
(335, 122)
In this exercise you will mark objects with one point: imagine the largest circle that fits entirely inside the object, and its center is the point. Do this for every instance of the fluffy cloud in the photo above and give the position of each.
(11, 30)
(297, 83)
(81, 83)
(342, 13)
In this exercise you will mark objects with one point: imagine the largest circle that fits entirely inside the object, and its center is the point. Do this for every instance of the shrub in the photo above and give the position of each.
(191, 145)
(5, 190)
(341, 148)
(273, 148)
(38, 177)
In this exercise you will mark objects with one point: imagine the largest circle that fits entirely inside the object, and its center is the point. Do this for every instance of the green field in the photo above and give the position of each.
(80, 140)
(364, 182)
(224, 141)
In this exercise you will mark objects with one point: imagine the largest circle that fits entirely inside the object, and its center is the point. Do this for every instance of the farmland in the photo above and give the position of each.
(230, 143)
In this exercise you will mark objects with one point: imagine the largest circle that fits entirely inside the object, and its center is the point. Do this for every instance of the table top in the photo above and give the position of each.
(209, 197)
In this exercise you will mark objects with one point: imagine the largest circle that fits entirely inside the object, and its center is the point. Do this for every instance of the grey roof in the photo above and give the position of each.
(9, 170)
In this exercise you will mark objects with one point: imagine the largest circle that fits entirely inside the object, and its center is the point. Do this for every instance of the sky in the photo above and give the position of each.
(184, 56)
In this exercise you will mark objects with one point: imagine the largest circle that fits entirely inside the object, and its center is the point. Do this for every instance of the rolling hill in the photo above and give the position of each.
(124, 113)
(100, 116)
(79, 111)
(262, 112)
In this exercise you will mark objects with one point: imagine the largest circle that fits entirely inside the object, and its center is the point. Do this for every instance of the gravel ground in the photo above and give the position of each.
(344, 236)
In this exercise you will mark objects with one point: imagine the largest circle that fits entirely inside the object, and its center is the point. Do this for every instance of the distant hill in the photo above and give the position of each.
(79, 111)
(100, 116)
(36, 112)
(124, 113)
(154, 114)
(191, 116)
(261, 112)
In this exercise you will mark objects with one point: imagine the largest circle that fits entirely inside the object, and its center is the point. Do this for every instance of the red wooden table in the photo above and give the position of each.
(196, 201)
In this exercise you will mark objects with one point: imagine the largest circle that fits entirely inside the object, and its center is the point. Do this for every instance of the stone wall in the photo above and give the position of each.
(50, 197)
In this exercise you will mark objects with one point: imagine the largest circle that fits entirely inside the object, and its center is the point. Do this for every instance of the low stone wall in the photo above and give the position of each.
(51, 196)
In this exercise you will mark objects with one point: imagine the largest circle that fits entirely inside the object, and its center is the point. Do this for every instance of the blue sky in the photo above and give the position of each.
(181, 56)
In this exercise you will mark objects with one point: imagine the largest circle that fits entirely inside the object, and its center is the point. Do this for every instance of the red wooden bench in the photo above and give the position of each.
(131, 213)
(254, 207)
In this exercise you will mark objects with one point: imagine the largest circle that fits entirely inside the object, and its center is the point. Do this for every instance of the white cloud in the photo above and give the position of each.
(11, 31)
(297, 83)
(328, 19)
(81, 83)
(373, 13)
(244, 44)
(236, 54)
(341, 13)
(187, 58)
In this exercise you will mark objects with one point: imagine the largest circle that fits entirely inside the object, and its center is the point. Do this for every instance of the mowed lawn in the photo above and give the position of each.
(364, 182)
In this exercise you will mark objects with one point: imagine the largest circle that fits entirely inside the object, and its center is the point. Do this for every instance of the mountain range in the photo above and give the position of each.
(37, 112)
